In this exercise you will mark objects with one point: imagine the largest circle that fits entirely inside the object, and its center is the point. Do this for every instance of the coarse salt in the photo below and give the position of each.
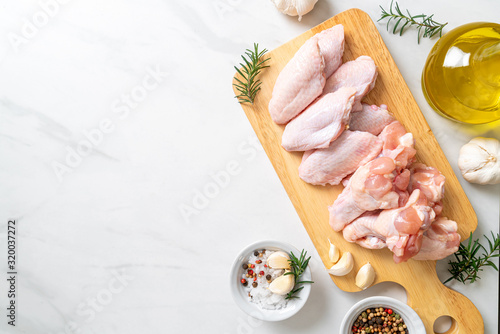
(261, 295)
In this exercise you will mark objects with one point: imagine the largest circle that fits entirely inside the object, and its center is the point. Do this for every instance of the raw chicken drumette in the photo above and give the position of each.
(370, 188)
(401, 229)
(398, 145)
(439, 241)
(431, 182)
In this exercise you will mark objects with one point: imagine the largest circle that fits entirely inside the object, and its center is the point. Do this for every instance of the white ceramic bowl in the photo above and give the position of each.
(241, 297)
(410, 317)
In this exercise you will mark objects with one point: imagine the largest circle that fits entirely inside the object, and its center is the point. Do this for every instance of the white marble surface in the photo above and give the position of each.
(103, 246)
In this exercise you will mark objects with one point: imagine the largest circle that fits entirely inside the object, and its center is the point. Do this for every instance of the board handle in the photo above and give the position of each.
(444, 302)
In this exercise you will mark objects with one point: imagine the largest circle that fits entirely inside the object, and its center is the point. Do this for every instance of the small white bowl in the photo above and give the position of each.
(241, 297)
(410, 317)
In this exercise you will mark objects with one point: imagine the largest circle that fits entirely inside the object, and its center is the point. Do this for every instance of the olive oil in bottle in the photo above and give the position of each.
(461, 78)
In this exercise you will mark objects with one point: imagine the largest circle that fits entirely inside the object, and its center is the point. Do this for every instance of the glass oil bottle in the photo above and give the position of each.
(461, 78)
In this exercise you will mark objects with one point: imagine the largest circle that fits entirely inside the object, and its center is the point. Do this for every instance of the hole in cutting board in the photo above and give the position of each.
(444, 324)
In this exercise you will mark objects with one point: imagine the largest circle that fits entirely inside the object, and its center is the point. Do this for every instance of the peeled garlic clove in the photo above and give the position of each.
(365, 276)
(282, 284)
(479, 161)
(279, 260)
(294, 7)
(343, 267)
(334, 253)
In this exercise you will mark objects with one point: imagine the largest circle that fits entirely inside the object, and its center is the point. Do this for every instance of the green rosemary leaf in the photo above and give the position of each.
(240, 73)
(298, 266)
(251, 67)
(469, 263)
(388, 22)
(403, 28)
(396, 25)
(489, 242)
(291, 297)
(470, 241)
(491, 264)
(426, 26)
(241, 83)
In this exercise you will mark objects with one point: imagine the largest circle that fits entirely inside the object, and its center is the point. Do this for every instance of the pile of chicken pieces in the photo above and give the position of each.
(388, 200)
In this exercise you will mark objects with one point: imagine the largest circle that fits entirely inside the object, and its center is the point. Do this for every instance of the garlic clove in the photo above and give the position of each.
(279, 260)
(365, 276)
(334, 253)
(343, 267)
(282, 284)
(294, 7)
(479, 161)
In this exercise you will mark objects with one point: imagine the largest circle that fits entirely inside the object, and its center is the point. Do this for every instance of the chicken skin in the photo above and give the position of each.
(370, 188)
(302, 80)
(330, 165)
(360, 74)
(321, 123)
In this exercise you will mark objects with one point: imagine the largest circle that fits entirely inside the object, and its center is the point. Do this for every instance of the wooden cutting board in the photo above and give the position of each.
(426, 294)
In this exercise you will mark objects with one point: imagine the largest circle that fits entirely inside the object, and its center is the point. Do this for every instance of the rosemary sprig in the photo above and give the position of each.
(468, 263)
(425, 24)
(298, 266)
(249, 86)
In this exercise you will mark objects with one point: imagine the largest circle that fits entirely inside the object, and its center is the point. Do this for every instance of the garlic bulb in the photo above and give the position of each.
(334, 253)
(479, 161)
(343, 267)
(365, 276)
(282, 284)
(295, 7)
(279, 260)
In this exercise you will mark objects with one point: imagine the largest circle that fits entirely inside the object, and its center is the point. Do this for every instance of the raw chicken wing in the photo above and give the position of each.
(439, 241)
(400, 228)
(322, 122)
(370, 188)
(341, 158)
(371, 242)
(371, 119)
(429, 180)
(331, 46)
(302, 80)
(401, 182)
(360, 73)
(398, 145)
(299, 83)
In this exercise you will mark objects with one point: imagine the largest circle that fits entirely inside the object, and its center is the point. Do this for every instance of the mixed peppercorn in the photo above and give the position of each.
(250, 274)
(379, 320)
